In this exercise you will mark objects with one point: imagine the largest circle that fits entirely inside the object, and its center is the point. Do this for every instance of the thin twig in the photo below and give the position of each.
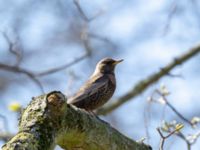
(76, 2)
(163, 138)
(170, 16)
(53, 70)
(177, 113)
(195, 9)
(103, 39)
(182, 136)
(33, 76)
(173, 108)
(17, 69)
(12, 48)
(5, 122)
(86, 36)
(82, 13)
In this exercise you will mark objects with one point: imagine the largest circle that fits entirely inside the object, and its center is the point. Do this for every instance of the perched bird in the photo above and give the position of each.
(99, 88)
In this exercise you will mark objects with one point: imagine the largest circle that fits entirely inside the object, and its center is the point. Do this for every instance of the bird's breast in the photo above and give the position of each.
(106, 93)
(112, 79)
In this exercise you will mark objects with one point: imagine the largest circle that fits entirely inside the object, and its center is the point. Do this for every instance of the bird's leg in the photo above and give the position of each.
(96, 116)
(93, 114)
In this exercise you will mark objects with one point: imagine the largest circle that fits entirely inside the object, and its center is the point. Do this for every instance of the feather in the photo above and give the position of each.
(90, 88)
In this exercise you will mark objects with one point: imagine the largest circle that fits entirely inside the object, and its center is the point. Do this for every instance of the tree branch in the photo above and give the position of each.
(34, 76)
(175, 110)
(48, 120)
(17, 69)
(13, 47)
(163, 138)
(53, 70)
(142, 85)
(82, 13)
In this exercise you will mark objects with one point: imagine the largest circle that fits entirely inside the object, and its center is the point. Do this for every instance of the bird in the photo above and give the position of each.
(99, 88)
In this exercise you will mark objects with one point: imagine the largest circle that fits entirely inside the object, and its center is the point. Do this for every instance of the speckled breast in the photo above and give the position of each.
(102, 96)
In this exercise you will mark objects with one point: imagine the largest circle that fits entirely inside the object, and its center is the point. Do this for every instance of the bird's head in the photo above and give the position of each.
(107, 65)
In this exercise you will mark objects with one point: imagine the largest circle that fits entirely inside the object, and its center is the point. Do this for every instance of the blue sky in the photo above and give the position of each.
(48, 36)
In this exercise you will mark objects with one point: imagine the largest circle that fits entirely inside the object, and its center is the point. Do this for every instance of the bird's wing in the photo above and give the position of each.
(90, 88)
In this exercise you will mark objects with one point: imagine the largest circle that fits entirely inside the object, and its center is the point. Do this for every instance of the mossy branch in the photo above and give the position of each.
(48, 121)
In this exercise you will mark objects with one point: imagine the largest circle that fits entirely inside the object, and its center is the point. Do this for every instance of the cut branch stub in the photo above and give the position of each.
(39, 123)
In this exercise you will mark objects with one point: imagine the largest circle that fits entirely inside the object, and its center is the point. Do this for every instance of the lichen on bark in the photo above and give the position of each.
(48, 120)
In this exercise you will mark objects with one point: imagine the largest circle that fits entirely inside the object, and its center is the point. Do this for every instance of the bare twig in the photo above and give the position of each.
(195, 9)
(53, 70)
(17, 69)
(177, 113)
(170, 16)
(12, 47)
(174, 109)
(175, 75)
(163, 138)
(82, 13)
(182, 136)
(168, 127)
(33, 76)
(142, 85)
(103, 39)
(71, 80)
(5, 122)
(146, 117)
(86, 35)
(76, 2)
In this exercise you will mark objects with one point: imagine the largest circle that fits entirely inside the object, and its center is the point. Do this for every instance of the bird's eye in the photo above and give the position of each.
(111, 62)
(108, 62)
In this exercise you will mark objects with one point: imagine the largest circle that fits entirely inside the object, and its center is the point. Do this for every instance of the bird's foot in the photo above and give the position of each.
(97, 117)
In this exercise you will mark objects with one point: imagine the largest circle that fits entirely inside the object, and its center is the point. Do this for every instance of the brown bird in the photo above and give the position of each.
(99, 88)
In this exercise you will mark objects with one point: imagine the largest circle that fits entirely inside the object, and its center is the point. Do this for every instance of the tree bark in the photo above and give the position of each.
(48, 121)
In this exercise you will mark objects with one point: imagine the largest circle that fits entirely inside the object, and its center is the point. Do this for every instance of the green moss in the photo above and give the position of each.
(45, 121)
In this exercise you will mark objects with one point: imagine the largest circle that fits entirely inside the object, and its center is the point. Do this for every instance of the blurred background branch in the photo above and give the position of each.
(17, 69)
(60, 68)
(142, 85)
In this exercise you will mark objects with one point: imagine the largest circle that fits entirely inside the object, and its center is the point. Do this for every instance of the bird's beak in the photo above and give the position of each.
(118, 61)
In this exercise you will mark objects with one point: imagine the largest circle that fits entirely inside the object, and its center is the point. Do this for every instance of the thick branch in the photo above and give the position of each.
(48, 121)
(142, 85)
